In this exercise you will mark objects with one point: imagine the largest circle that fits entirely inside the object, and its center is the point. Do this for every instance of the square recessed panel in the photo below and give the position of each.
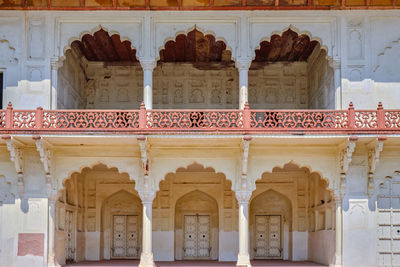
(356, 2)
(260, 2)
(292, 2)
(227, 2)
(163, 3)
(10, 3)
(131, 3)
(195, 2)
(100, 3)
(37, 3)
(65, 3)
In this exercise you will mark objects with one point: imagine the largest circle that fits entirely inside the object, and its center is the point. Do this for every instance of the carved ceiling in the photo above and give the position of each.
(287, 47)
(195, 47)
(102, 47)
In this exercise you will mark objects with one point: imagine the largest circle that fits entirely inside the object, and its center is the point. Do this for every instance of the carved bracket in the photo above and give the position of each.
(245, 147)
(144, 149)
(345, 157)
(15, 148)
(45, 150)
(374, 151)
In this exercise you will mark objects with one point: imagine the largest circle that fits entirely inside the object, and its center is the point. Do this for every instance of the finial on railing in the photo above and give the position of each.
(9, 116)
(380, 116)
(9, 105)
(246, 116)
(351, 116)
(142, 116)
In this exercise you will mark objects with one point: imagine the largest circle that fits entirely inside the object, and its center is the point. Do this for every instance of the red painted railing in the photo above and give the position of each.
(244, 121)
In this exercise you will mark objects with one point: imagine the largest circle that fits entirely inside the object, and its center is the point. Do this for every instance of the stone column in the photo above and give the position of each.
(338, 232)
(55, 65)
(146, 258)
(335, 65)
(51, 259)
(148, 65)
(243, 66)
(243, 256)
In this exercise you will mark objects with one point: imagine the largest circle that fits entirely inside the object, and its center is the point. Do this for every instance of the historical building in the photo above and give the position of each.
(227, 130)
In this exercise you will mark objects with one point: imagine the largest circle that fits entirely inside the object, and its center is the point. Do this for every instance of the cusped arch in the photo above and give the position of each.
(195, 45)
(100, 44)
(260, 172)
(290, 44)
(67, 168)
(163, 167)
(196, 192)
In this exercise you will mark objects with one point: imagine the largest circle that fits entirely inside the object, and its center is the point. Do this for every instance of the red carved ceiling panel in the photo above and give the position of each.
(195, 47)
(102, 47)
(286, 47)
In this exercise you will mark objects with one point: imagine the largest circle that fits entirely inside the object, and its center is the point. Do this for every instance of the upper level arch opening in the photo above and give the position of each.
(195, 69)
(290, 70)
(100, 70)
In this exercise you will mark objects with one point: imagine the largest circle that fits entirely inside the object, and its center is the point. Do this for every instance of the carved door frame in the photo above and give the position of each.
(139, 230)
(281, 235)
(209, 214)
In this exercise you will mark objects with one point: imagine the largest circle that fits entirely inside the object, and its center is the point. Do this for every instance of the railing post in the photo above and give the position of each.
(351, 116)
(142, 116)
(9, 116)
(39, 118)
(246, 116)
(380, 116)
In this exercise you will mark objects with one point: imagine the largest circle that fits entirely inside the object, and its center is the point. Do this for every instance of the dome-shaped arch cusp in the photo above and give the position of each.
(162, 167)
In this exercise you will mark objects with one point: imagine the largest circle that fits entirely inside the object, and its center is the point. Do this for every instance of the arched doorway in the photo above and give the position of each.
(98, 216)
(269, 225)
(196, 226)
(121, 226)
(192, 202)
(292, 216)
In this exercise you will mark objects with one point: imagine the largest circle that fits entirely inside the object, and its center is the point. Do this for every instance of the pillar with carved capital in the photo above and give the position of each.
(148, 65)
(146, 258)
(243, 65)
(243, 256)
(55, 64)
(51, 259)
(338, 222)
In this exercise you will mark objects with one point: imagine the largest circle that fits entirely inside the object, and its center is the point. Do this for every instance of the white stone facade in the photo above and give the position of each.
(336, 196)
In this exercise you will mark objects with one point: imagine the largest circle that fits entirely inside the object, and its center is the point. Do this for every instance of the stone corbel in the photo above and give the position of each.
(146, 192)
(45, 151)
(245, 147)
(243, 63)
(15, 148)
(345, 157)
(374, 151)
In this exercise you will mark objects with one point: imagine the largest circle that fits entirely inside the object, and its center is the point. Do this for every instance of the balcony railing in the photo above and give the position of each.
(244, 121)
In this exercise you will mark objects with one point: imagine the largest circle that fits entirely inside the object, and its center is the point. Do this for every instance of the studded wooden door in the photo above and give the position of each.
(125, 236)
(197, 237)
(69, 236)
(268, 236)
